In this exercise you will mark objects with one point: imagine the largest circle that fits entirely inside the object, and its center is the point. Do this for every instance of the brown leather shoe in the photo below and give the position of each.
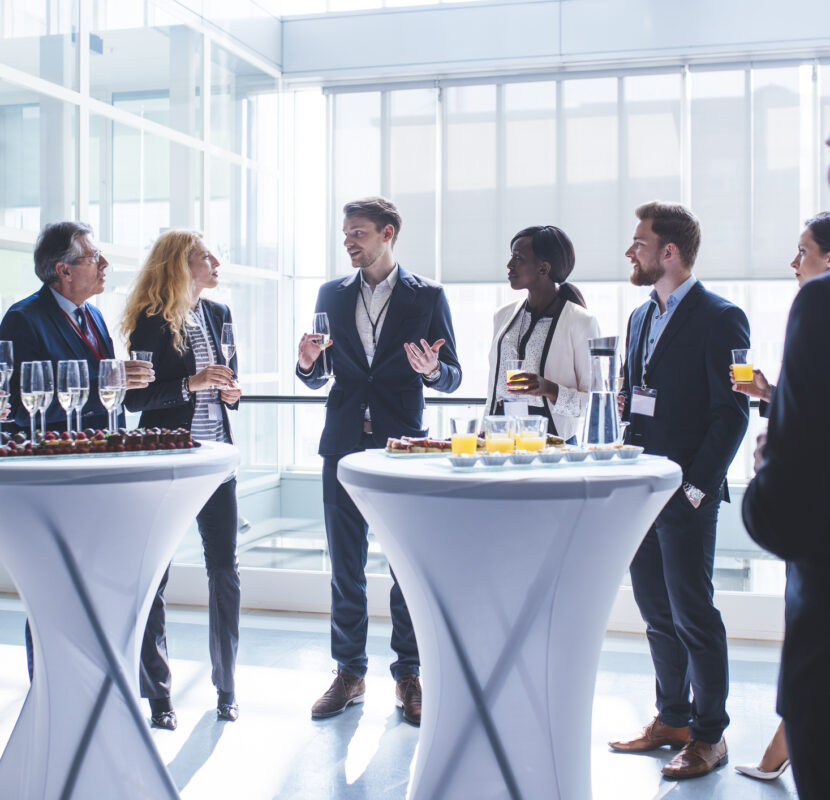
(695, 759)
(344, 690)
(408, 697)
(654, 735)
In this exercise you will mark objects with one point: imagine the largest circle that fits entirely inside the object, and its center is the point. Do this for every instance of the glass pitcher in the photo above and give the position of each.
(602, 425)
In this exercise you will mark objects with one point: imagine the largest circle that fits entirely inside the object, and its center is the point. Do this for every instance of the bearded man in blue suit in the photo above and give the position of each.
(391, 335)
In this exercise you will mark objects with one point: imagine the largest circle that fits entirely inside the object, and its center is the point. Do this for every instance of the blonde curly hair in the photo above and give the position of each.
(164, 285)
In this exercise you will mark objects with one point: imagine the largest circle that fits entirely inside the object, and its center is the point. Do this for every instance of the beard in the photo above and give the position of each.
(647, 276)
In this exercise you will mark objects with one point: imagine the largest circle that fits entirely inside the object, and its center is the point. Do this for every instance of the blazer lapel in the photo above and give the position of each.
(343, 313)
(101, 329)
(400, 304)
(678, 319)
(63, 328)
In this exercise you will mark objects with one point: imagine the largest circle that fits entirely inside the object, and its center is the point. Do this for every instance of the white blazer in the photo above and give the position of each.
(568, 363)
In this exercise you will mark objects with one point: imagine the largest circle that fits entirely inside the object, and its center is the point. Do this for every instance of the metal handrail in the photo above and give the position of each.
(320, 399)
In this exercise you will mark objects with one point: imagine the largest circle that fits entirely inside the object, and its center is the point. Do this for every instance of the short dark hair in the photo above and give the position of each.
(378, 210)
(673, 222)
(58, 242)
(553, 245)
(819, 227)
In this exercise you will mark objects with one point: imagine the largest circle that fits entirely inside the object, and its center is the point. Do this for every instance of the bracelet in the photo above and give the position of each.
(187, 384)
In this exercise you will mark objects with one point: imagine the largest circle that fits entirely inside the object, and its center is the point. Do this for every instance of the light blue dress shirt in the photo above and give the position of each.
(660, 321)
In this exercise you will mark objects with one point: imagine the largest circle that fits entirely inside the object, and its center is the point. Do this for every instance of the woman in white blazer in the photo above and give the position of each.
(549, 330)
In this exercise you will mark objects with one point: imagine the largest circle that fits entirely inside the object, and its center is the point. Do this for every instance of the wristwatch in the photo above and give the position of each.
(693, 493)
(434, 375)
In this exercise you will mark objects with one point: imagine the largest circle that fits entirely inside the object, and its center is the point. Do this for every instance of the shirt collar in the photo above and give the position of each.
(391, 279)
(677, 295)
(65, 303)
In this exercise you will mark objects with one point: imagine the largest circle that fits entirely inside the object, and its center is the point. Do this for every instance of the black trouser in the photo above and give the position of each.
(217, 525)
(671, 575)
(346, 531)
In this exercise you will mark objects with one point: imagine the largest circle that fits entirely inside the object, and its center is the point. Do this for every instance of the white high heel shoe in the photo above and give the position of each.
(754, 772)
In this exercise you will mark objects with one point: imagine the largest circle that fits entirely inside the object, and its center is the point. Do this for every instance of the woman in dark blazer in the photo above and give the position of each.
(194, 390)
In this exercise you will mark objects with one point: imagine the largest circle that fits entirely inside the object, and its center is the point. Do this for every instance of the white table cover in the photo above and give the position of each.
(86, 541)
(509, 575)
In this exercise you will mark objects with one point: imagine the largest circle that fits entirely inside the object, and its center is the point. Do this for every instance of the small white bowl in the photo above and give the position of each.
(552, 455)
(520, 458)
(629, 452)
(494, 459)
(576, 454)
(604, 454)
(466, 460)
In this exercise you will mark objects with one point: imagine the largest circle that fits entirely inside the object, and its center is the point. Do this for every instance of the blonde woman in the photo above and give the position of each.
(166, 315)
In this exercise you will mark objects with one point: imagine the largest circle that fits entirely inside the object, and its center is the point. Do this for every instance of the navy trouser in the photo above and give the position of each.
(217, 523)
(671, 575)
(347, 531)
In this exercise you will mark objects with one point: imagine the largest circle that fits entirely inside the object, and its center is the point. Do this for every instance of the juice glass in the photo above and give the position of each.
(531, 432)
(499, 434)
(463, 435)
(742, 366)
(513, 366)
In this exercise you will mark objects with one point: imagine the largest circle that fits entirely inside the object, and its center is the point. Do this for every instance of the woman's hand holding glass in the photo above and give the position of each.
(527, 383)
(140, 373)
(213, 376)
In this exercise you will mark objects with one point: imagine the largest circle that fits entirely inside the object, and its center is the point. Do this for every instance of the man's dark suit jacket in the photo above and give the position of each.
(418, 309)
(699, 422)
(786, 507)
(41, 332)
(162, 403)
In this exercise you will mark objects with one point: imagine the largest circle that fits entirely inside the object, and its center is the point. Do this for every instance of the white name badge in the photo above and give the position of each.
(214, 412)
(516, 408)
(643, 401)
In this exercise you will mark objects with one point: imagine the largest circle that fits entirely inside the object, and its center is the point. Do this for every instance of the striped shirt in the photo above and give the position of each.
(203, 427)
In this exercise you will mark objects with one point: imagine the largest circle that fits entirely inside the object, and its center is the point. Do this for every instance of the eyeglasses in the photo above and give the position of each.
(94, 257)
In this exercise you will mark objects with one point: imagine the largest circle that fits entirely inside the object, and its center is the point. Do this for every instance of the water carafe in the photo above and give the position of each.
(602, 424)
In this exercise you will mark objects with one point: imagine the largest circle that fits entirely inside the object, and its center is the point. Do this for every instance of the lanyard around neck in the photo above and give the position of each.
(374, 323)
(98, 349)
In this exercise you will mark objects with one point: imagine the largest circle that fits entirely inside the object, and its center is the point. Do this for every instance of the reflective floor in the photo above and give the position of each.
(275, 751)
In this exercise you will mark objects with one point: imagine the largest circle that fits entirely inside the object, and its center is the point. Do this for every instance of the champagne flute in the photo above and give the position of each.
(109, 387)
(69, 388)
(6, 365)
(31, 390)
(5, 372)
(83, 393)
(228, 342)
(320, 326)
(122, 390)
(48, 392)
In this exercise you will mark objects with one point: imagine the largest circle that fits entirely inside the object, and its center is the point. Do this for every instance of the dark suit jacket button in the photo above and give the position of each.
(371, 378)
(363, 406)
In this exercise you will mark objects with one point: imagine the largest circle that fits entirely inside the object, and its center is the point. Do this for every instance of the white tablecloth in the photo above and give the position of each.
(509, 576)
(86, 541)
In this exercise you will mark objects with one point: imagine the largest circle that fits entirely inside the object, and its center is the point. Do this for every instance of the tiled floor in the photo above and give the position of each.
(275, 751)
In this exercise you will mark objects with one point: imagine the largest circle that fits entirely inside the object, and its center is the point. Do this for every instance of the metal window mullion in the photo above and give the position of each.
(623, 214)
(331, 121)
(385, 144)
(685, 137)
(750, 150)
(206, 101)
(440, 164)
(561, 147)
(500, 229)
(82, 145)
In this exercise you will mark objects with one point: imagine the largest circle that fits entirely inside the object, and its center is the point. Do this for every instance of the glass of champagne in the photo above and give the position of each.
(69, 388)
(31, 390)
(320, 326)
(48, 392)
(109, 387)
(122, 390)
(83, 394)
(6, 364)
(5, 374)
(228, 342)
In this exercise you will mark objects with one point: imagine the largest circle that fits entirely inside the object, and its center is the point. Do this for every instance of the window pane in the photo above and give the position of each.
(590, 188)
(38, 144)
(412, 176)
(824, 119)
(154, 71)
(17, 276)
(38, 37)
(720, 171)
(776, 169)
(530, 158)
(472, 250)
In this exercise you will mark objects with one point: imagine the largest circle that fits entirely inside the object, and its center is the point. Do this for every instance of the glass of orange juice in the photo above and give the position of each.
(531, 432)
(499, 432)
(513, 366)
(742, 366)
(463, 435)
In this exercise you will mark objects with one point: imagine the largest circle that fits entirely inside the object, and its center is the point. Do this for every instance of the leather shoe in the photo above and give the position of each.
(344, 690)
(696, 759)
(408, 698)
(227, 711)
(655, 734)
(166, 720)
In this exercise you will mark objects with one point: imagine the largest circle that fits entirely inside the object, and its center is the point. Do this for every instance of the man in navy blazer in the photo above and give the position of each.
(678, 397)
(785, 510)
(57, 323)
(391, 335)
